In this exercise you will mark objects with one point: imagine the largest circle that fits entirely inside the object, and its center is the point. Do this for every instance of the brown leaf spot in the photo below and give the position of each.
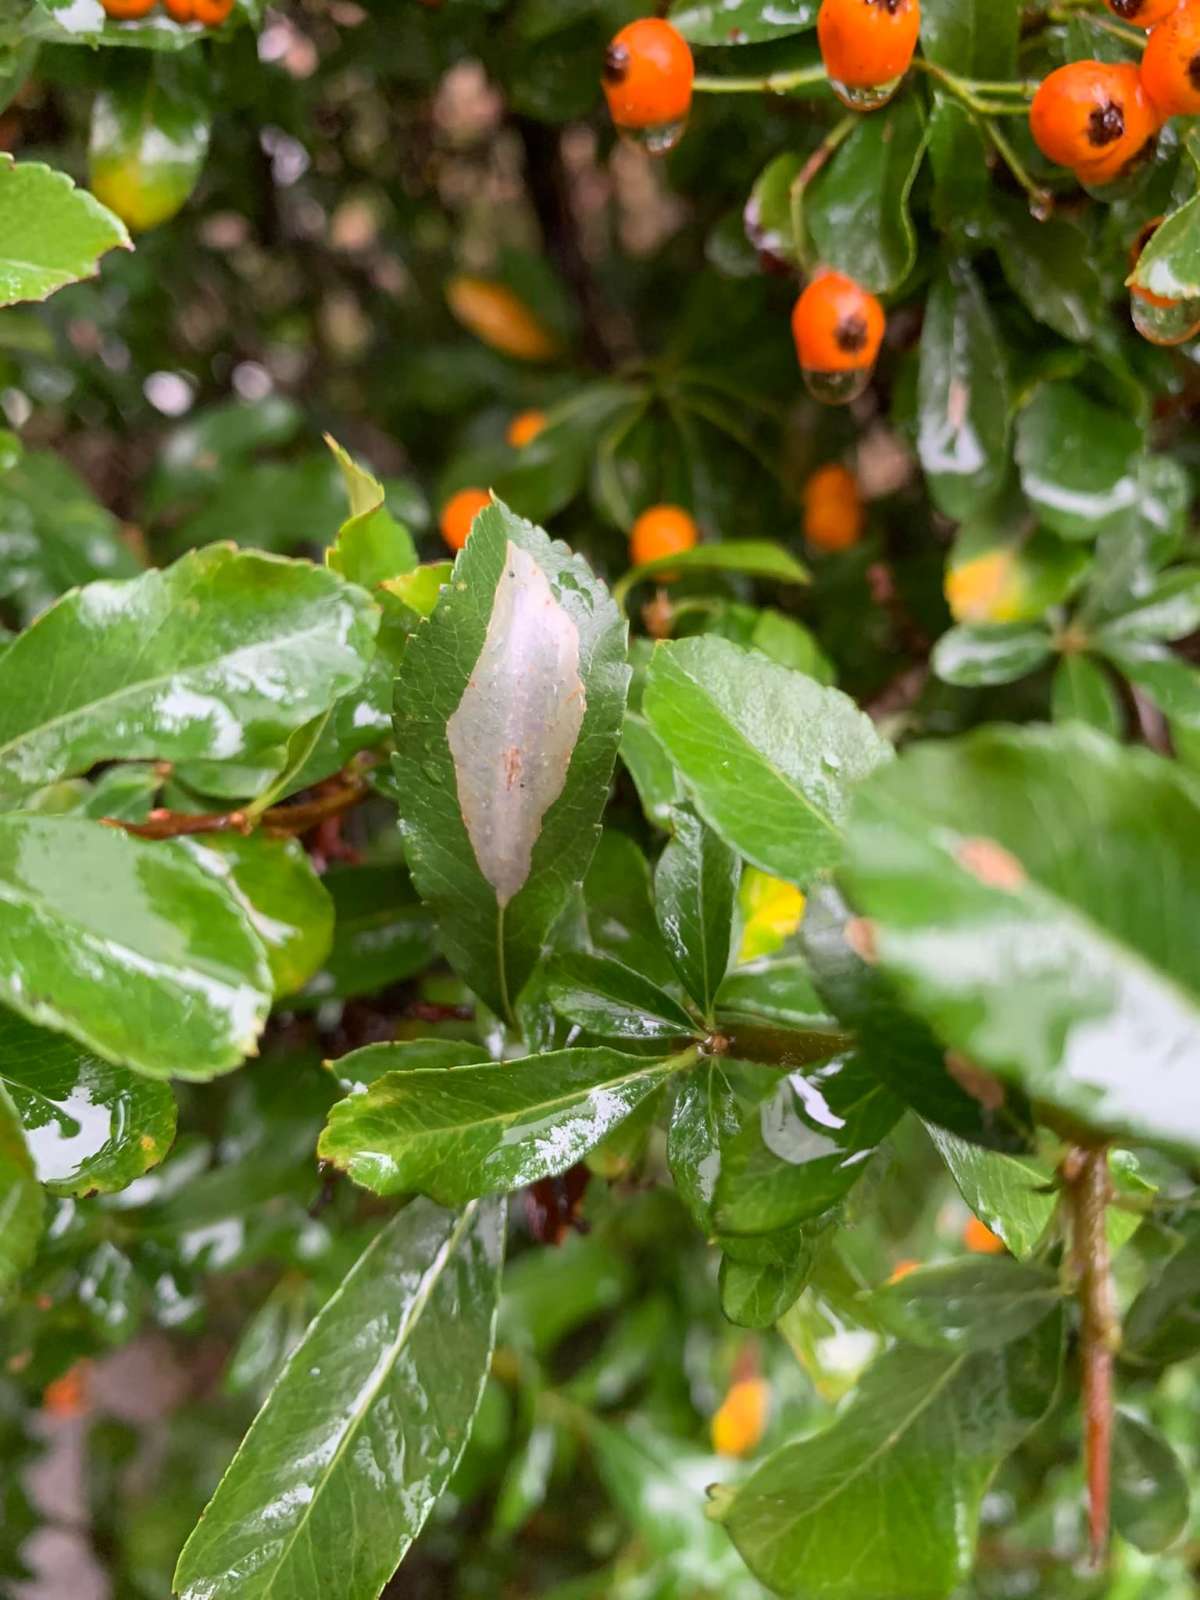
(859, 933)
(991, 863)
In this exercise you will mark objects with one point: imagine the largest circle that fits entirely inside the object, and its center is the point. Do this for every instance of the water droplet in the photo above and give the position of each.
(865, 97)
(1041, 205)
(837, 388)
(658, 138)
(1165, 324)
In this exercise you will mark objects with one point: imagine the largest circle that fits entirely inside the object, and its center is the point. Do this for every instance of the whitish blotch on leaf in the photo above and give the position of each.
(517, 723)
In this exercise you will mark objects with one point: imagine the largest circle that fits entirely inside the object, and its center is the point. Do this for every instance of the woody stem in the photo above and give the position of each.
(1088, 1192)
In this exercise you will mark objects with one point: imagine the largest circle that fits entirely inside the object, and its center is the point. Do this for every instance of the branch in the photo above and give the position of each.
(280, 821)
(1088, 1189)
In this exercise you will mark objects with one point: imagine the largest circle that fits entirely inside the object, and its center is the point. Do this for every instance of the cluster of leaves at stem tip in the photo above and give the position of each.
(657, 1057)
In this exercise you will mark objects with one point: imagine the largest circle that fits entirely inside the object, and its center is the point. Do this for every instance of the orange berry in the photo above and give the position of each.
(126, 10)
(902, 1269)
(493, 313)
(833, 509)
(738, 1427)
(67, 1396)
(459, 513)
(661, 531)
(210, 12)
(977, 1236)
(837, 325)
(1093, 116)
(867, 43)
(1171, 64)
(1142, 13)
(648, 72)
(524, 428)
(1145, 233)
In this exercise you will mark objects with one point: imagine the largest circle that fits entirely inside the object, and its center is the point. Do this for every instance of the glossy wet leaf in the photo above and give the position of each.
(1150, 1497)
(1082, 691)
(130, 948)
(695, 887)
(802, 1147)
(973, 1304)
(509, 706)
(763, 1277)
(351, 1437)
(974, 38)
(1009, 1194)
(221, 655)
(963, 396)
(1170, 682)
(54, 535)
(1078, 461)
(1016, 885)
(1168, 609)
(1163, 1324)
(768, 756)
(371, 547)
(285, 902)
(22, 1202)
(753, 558)
(733, 22)
(705, 1111)
(381, 932)
(487, 1129)
(909, 1460)
(606, 998)
(1170, 263)
(650, 767)
(979, 653)
(53, 233)
(856, 208)
(90, 1127)
(1049, 264)
(149, 138)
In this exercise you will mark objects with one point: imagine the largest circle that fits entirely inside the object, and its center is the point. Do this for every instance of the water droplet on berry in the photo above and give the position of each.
(1169, 324)
(837, 388)
(658, 138)
(865, 97)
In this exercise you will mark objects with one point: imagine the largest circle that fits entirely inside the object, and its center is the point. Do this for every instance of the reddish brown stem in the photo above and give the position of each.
(280, 820)
(164, 824)
(1090, 1190)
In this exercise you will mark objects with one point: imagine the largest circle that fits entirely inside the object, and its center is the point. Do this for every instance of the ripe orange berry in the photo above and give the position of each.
(661, 531)
(210, 12)
(833, 509)
(126, 10)
(1171, 64)
(524, 428)
(738, 1427)
(648, 72)
(1142, 13)
(1093, 116)
(867, 44)
(977, 1236)
(837, 325)
(459, 513)
(493, 313)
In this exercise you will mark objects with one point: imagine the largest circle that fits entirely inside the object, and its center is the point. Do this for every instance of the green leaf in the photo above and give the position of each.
(755, 1292)
(606, 998)
(53, 233)
(1168, 609)
(149, 137)
(53, 535)
(767, 755)
(924, 1430)
(963, 403)
(219, 656)
(857, 206)
(732, 22)
(127, 946)
(650, 767)
(382, 933)
(487, 1129)
(974, 38)
(371, 547)
(695, 889)
(1150, 1498)
(1041, 859)
(22, 1202)
(420, 589)
(1081, 691)
(978, 653)
(362, 1067)
(753, 558)
(509, 704)
(802, 1147)
(1007, 1193)
(705, 1111)
(285, 902)
(1078, 461)
(351, 1451)
(1163, 1324)
(1050, 265)
(546, 474)
(1172, 683)
(1170, 264)
(974, 1304)
(898, 1046)
(91, 1127)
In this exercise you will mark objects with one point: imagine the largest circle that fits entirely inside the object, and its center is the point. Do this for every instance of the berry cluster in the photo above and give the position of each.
(209, 13)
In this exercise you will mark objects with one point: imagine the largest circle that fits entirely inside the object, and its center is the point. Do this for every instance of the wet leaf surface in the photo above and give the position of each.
(53, 233)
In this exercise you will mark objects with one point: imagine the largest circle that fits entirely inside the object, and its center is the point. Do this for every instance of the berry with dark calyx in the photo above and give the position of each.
(1094, 117)
(648, 75)
(838, 328)
(1170, 70)
(1142, 13)
(867, 46)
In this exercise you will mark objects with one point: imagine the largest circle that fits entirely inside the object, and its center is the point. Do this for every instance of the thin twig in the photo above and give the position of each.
(1089, 1189)
(285, 821)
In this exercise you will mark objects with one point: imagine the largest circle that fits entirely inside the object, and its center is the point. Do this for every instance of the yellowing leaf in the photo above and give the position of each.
(986, 589)
(771, 910)
(493, 313)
